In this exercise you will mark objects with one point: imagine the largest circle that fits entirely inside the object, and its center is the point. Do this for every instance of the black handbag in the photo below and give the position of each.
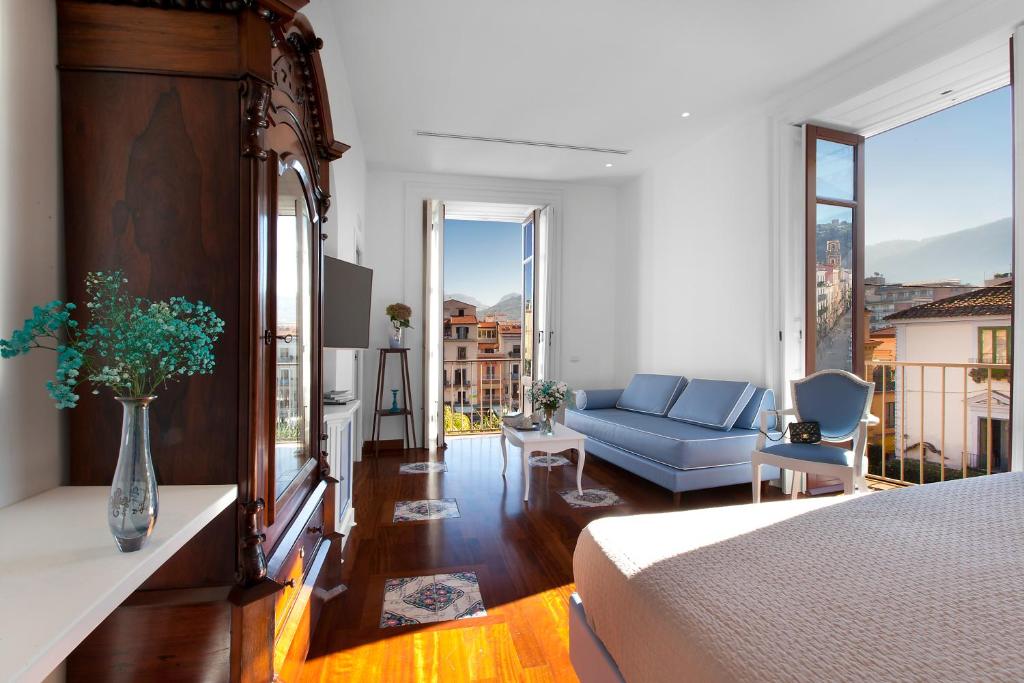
(799, 432)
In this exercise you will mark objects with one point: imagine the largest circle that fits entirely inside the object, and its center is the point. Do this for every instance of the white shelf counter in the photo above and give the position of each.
(61, 574)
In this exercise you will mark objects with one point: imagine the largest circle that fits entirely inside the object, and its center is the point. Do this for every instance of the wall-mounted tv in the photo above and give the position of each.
(346, 304)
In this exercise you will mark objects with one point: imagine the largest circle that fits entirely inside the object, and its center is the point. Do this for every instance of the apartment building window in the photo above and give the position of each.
(890, 415)
(462, 332)
(461, 353)
(994, 345)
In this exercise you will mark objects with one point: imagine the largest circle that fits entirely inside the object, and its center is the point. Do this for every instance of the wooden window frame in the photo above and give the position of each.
(1009, 343)
(812, 199)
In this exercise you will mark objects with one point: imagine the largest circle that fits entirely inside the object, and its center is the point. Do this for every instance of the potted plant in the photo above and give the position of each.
(133, 346)
(400, 314)
(548, 395)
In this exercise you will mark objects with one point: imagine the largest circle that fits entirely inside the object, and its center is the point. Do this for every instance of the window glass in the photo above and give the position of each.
(834, 170)
(834, 287)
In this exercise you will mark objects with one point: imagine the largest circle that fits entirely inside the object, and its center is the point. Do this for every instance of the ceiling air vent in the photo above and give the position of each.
(513, 141)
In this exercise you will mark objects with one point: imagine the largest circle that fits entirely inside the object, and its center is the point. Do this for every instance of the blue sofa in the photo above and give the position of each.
(682, 435)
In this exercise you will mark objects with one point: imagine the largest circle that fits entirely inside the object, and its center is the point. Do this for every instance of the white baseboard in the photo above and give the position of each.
(345, 524)
(333, 593)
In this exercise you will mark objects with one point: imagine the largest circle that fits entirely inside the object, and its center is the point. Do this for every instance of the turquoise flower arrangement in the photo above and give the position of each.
(134, 346)
(129, 344)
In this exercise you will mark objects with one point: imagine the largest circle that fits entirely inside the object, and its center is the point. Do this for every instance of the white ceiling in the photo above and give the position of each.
(599, 73)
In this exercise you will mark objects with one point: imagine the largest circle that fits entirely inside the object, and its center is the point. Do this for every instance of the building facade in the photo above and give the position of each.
(953, 402)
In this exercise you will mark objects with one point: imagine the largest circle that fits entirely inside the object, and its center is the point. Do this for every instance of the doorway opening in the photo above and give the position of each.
(910, 283)
(489, 317)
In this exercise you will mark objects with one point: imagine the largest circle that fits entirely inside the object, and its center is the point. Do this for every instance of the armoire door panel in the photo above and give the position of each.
(151, 192)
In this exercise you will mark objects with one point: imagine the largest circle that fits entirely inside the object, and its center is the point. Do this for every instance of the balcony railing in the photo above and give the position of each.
(485, 390)
(938, 421)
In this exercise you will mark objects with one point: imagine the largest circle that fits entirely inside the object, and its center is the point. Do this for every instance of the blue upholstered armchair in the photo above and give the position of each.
(840, 403)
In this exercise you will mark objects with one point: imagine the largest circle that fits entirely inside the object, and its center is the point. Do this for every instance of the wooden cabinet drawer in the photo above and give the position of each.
(310, 532)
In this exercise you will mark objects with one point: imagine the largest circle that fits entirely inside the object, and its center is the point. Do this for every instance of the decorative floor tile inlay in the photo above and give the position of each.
(430, 599)
(423, 467)
(548, 461)
(420, 510)
(591, 498)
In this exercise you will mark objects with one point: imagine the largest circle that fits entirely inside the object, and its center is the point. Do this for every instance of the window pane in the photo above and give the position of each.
(834, 170)
(1002, 345)
(834, 288)
(985, 346)
(294, 320)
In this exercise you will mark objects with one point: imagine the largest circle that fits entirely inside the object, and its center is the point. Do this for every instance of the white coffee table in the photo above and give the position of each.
(532, 441)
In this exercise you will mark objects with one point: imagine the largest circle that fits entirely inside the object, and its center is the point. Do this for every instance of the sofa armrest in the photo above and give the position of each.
(595, 399)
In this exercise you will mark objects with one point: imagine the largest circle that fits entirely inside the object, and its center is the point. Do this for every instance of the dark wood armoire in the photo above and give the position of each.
(196, 142)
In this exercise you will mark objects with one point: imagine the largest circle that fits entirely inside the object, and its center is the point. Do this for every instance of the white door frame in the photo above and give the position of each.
(413, 275)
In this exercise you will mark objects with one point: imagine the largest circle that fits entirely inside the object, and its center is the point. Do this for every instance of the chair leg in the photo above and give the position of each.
(755, 481)
(677, 497)
(795, 481)
(848, 483)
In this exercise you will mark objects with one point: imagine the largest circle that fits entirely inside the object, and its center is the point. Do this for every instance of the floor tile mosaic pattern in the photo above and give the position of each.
(548, 461)
(430, 599)
(591, 498)
(422, 510)
(422, 467)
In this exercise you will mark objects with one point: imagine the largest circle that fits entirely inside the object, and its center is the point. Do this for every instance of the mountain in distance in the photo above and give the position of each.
(465, 298)
(970, 255)
(510, 306)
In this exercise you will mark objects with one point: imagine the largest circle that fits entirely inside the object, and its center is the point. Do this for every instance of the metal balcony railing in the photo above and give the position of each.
(489, 388)
(938, 421)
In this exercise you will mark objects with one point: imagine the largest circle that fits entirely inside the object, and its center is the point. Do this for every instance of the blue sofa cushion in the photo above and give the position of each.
(813, 452)
(676, 444)
(750, 418)
(652, 394)
(712, 403)
(594, 399)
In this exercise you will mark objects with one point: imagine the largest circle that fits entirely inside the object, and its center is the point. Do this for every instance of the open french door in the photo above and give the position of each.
(537, 335)
(835, 251)
(433, 303)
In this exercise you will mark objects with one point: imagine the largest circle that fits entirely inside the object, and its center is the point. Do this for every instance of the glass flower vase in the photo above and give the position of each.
(134, 501)
(395, 341)
(547, 425)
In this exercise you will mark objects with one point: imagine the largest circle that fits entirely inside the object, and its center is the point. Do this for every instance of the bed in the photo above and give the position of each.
(911, 584)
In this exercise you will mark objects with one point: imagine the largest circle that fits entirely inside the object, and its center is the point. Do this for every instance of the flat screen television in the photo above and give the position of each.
(346, 304)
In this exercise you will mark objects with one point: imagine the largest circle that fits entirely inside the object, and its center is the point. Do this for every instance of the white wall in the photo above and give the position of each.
(344, 225)
(32, 450)
(694, 294)
(585, 289)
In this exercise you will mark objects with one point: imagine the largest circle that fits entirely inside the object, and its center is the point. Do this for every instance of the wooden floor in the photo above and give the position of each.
(521, 553)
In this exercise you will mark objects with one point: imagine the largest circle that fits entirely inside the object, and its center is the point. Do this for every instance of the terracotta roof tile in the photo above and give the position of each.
(996, 300)
(463, 320)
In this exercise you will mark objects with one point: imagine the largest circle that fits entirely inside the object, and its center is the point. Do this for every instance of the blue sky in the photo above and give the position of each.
(946, 172)
(482, 259)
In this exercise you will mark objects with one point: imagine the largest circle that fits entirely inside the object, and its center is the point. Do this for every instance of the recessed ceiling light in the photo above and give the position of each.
(608, 165)
(685, 114)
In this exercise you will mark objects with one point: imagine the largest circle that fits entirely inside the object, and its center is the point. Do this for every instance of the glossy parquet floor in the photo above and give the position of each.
(520, 552)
